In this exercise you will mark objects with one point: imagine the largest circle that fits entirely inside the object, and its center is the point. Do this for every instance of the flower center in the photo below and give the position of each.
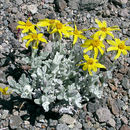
(59, 25)
(34, 36)
(52, 21)
(96, 43)
(90, 61)
(121, 46)
(28, 23)
(104, 29)
(76, 32)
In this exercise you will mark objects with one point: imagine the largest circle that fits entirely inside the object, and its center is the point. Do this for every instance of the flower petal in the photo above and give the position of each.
(112, 49)
(88, 49)
(85, 67)
(124, 52)
(81, 37)
(100, 65)
(26, 37)
(95, 52)
(118, 54)
(111, 42)
(104, 23)
(128, 48)
(21, 22)
(101, 50)
(86, 57)
(98, 22)
(75, 39)
(28, 42)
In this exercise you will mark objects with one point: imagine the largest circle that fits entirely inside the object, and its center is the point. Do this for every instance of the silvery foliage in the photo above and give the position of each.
(55, 77)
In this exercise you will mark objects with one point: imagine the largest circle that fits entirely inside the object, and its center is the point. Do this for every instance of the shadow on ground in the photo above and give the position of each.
(33, 110)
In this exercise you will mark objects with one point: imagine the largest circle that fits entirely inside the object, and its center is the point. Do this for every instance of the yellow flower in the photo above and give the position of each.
(4, 91)
(28, 26)
(77, 34)
(119, 46)
(103, 30)
(62, 28)
(50, 23)
(35, 38)
(94, 44)
(91, 64)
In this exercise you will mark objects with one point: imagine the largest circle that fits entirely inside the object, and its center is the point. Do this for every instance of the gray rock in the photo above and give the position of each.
(92, 107)
(62, 127)
(124, 13)
(12, 27)
(126, 83)
(91, 4)
(32, 8)
(103, 114)
(48, 1)
(15, 122)
(19, 2)
(118, 123)
(113, 106)
(4, 114)
(53, 122)
(120, 103)
(120, 2)
(2, 75)
(124, 120)
(78, 125)
(74, 4)
(112, 122)
(60, 4)
(67, 119)
(14, 10)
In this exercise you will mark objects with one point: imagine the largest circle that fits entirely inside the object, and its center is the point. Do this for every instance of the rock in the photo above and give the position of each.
(53, 122)
(112, 122)
(48, 1)
(113, 106)
(91, 4)
(126, 83)
(32, 8)
(118, 123)
(12, 27)
(92, 107)
(14, 10)
(4, 114)
(74, 4)
(124, 120)
(15, 122)
(103, 114)
(119, 2)
(62, 127)
(60, 5)
(124, 13)
(67, 119)
(125, 127)
(19, 2)
(2, 75)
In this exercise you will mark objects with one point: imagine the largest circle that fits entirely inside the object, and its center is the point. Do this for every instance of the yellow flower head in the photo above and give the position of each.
(50, 23)
(94, 44)
(118, 46)
(35, 38)
(28, 26)
(103, 30)
(62, 28)
(77, 34)
(4, 91)
(91, 64)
